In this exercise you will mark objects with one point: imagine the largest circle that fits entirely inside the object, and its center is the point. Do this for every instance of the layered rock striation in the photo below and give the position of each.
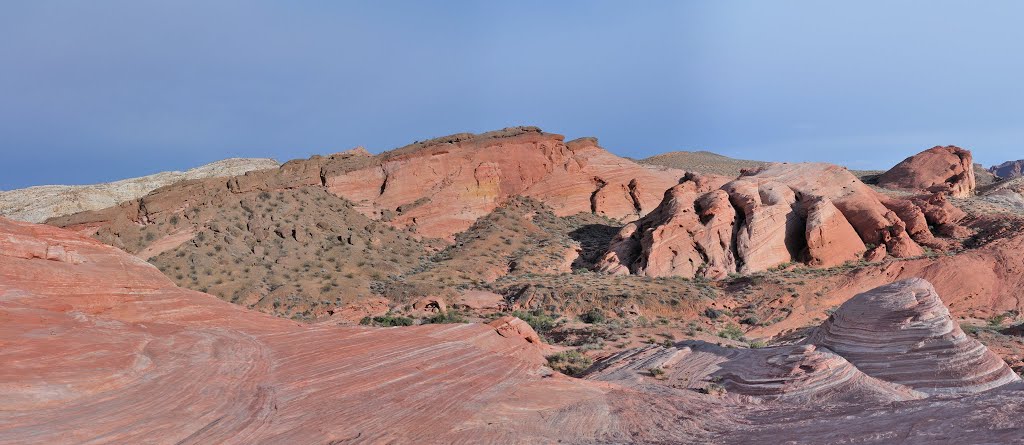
(903, 333)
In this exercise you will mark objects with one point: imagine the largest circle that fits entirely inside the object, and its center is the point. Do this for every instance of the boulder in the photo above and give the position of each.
(513, 327)
(937, 169)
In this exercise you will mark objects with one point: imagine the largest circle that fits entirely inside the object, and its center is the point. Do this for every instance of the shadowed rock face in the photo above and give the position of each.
(819, 214)
(1008, 169)
(937, 169)
(902, 333)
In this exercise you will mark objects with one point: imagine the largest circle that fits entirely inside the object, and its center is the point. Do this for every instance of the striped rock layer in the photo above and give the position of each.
(903, 333)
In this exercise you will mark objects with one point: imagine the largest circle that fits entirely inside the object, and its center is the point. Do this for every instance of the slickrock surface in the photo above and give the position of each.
(937, 169)
(902, 333)
(99, 347)
(1008, 169)
(37, 204)
(804, 373)
(819, 214)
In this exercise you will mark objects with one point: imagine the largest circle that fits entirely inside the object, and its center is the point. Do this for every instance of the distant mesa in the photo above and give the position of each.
(1008, 169)
(947, 169)
(37, 204)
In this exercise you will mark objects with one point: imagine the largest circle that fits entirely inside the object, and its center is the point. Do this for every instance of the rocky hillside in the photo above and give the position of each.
(703, 162)
(37, 204)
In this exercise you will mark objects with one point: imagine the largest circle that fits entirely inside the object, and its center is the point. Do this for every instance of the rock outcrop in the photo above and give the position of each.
(893, 343)
(819, 214)
(1008, 169)
(439, 187)
(805, 372)
(902, 333)
(938, 169)
(37, 204)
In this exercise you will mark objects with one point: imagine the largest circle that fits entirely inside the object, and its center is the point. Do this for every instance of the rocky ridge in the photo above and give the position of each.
(37, 204)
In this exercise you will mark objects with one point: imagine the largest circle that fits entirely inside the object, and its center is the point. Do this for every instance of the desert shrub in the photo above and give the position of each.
(537, 319)
(446, 317)
(387, 320)
(593, 316)
(572, 363)
(656, 371)
(712, 313)
(731, 331)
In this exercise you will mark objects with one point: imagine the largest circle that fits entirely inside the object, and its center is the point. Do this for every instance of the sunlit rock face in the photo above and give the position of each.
(938, 169)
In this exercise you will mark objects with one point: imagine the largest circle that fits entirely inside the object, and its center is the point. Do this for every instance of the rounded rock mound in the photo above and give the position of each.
(937, 169)
(902, 333)
(804, 372)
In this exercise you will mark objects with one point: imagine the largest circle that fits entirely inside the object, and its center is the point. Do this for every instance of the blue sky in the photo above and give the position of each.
(100, 90)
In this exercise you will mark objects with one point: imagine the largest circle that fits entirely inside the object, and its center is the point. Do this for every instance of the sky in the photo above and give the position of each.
(94, 91)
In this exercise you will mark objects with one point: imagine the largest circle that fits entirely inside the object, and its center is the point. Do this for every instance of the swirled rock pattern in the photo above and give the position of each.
(99, 347)
(902, 333)
(938, 169)
(805, 372)
(819, 214)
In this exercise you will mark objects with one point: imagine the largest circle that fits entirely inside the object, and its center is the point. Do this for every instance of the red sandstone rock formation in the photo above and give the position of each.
(819, 214)
(440, 187)
(937, 169)
(902, 333)
(99, 347)
(437, 187)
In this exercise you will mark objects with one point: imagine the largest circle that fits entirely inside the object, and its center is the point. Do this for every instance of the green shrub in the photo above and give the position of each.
(386, 321)
(712, 313)
(446, 318)
(731, 331)
(537, 320)
(571, 363)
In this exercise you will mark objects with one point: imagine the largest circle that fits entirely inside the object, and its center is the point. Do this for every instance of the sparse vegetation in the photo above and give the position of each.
(571, 363)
